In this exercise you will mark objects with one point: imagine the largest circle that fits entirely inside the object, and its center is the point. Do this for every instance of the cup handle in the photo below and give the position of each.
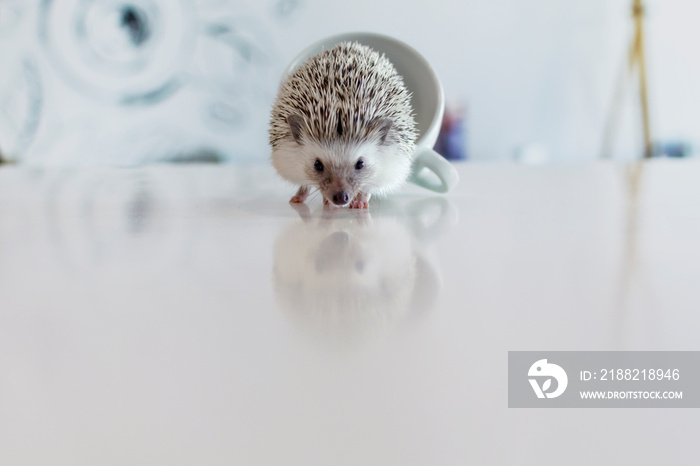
(427, 160)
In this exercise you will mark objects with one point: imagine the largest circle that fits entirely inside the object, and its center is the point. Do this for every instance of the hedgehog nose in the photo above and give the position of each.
(341, 198)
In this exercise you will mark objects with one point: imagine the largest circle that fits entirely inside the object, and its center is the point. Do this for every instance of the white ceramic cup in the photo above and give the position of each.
(427, 98)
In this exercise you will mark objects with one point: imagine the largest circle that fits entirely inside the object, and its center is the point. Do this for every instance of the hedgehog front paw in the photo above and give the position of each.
(361, 201)
(300, 196)
(359, 204)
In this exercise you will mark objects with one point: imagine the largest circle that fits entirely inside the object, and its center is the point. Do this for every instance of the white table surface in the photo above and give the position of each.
(191, 316)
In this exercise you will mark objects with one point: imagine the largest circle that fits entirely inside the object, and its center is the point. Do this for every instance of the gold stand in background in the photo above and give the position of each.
(635, 62)
(632, 269)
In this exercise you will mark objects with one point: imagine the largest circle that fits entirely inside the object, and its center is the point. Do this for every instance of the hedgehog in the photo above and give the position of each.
(342, 122)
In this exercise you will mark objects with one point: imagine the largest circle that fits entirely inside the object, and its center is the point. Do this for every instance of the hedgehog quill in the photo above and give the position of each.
(343, 123)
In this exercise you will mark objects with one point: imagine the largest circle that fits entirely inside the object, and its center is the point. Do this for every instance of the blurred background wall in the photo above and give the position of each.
(138, 81)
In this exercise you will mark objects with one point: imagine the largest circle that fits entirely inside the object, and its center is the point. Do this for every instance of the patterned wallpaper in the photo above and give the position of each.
(137, 81)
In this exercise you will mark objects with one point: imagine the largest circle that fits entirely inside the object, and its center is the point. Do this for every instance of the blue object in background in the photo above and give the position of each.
(673, 149)
(452, 140)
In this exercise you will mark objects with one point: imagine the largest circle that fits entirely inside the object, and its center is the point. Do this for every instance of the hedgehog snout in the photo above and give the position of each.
(336, 189)
(341, 198)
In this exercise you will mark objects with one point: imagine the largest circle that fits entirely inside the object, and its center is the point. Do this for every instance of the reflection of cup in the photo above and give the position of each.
(427, 99)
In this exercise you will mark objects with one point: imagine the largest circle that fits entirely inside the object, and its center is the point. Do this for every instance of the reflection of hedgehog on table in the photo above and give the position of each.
(346, 277)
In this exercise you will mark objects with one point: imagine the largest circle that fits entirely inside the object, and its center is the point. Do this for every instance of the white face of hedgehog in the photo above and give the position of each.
(342, 170)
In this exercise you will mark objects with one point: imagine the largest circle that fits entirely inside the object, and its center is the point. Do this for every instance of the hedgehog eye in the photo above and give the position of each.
(360, 164)
(318, 166)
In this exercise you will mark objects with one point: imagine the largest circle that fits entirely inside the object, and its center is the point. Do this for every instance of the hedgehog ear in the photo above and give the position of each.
(296, 123)
(383, 125)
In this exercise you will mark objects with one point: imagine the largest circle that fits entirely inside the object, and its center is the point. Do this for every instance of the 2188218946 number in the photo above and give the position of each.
(640, 374)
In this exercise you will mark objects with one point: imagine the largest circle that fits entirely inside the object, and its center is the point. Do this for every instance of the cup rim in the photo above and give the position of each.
(329, 41)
